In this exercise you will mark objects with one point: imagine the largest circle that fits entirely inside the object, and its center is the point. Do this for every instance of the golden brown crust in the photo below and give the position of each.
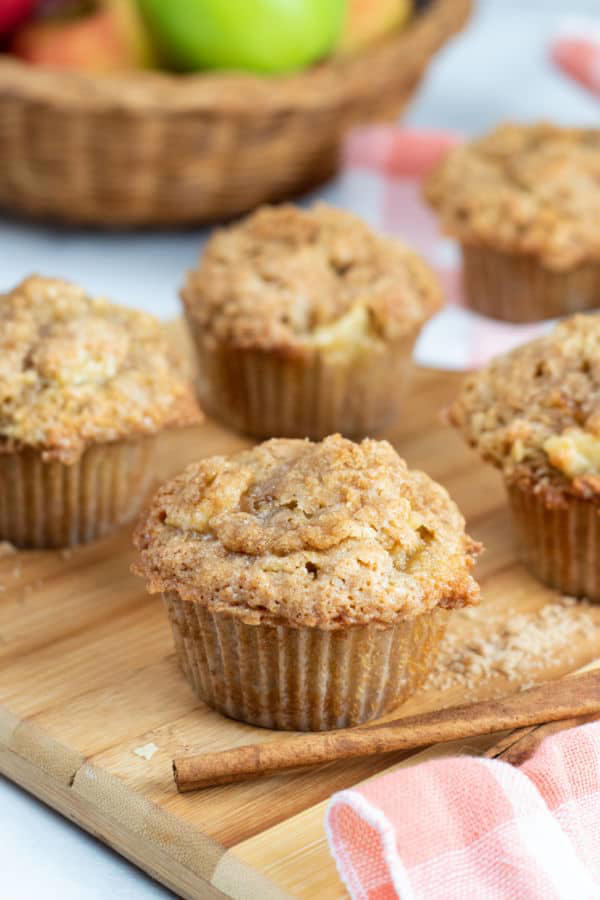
(271, 281)
(532, 189)
(76, 370)
(328, 534)
(535, 412)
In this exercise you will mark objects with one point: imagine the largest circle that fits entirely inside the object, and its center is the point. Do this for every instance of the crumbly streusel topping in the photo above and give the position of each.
(535, 412)
(283, 273)
(532, 189)
(76, 370)
(319, 534)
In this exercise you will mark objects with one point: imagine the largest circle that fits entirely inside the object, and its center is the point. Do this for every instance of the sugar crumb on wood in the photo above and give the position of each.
(146, 751)
(520, 648)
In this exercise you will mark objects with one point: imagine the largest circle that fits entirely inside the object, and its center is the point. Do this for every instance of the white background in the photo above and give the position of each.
(497, 69)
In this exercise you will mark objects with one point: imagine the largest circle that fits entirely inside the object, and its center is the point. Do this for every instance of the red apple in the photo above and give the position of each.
(14, 12)
(109, 39)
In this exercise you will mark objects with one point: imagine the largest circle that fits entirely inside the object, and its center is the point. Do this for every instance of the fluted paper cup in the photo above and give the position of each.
(267, 394)
(518, 288)
(301, 679)
(559, 544)
(50, 504)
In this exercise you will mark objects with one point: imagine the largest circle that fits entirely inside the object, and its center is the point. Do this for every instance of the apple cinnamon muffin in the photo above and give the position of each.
(85, 387)
(304, 323)
(307, 584)
(535, 414)
(524, 202)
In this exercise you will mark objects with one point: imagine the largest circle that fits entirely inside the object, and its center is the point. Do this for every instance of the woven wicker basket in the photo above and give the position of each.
(158, 149)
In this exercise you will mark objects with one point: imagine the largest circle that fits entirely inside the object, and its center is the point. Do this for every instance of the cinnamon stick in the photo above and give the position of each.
(521, 744)
(567, 698)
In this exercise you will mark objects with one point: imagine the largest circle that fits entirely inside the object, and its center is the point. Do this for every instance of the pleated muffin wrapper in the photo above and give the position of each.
(301, 678)
(518, 288)
(559, 544)
(45, 504)
(271, 394)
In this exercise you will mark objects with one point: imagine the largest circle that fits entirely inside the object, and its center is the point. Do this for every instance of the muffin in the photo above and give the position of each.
(307, 584)
(304, 323)
(85, 386)
(535, 414)
(524, 202)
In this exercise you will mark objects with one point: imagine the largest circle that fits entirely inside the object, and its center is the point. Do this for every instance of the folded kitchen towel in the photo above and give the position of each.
(577, 52)
(384, 167)
(476, 829)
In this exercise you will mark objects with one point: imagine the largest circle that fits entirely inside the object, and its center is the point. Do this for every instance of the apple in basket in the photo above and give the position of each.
(104, 36)
(268, 36)
(14, 12)
(368, 20)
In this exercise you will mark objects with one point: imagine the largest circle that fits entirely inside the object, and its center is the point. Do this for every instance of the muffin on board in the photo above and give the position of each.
(535, 414)
(524, 202)
(304, 323)
(307, 584)
(85, 386)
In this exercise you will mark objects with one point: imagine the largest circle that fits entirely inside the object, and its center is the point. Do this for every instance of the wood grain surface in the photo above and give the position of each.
(88, 677)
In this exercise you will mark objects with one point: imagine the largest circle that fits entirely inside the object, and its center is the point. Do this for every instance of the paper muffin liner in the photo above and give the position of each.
(517, 288)
(266, 394)
(50, 504)
(301, 679)
(560, 545)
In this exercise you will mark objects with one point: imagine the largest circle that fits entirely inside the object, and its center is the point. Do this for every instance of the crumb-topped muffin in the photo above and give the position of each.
(85, 385)
(304, 322)
(535, 414)
(524, 202)
(304, 581)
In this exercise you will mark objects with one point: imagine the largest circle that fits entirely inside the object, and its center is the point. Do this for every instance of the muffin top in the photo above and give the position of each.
(289, 279)
(532, 189)
(535, 412)
(323, 534)
(76, 370)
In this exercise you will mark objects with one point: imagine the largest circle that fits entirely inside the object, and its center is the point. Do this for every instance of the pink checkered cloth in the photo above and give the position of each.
(476, 829)
(387, 165)
(577, 52)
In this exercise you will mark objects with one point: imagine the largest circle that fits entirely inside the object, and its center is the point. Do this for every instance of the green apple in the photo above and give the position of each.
(258, 35)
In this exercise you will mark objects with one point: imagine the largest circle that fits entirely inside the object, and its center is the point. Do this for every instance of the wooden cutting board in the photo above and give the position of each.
(88, 677)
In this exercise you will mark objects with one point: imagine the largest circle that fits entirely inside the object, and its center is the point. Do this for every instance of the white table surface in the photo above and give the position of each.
(497, 69)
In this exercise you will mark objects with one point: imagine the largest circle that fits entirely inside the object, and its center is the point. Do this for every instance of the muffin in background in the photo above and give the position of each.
(85, 387)
(304, 323)
(535, 414)
(524, 202)
(307, 584)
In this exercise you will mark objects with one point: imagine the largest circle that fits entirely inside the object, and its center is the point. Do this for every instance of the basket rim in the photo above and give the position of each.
(333, 81)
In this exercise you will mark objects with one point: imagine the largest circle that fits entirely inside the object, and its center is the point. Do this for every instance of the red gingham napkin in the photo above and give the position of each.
(392, 162)
(577, 52)
(476, 829)
(398, 159)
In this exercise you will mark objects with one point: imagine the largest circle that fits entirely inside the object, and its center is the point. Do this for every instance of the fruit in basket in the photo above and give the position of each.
(14, 12)
(268, 36)
(368, 20)
(109, 37)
